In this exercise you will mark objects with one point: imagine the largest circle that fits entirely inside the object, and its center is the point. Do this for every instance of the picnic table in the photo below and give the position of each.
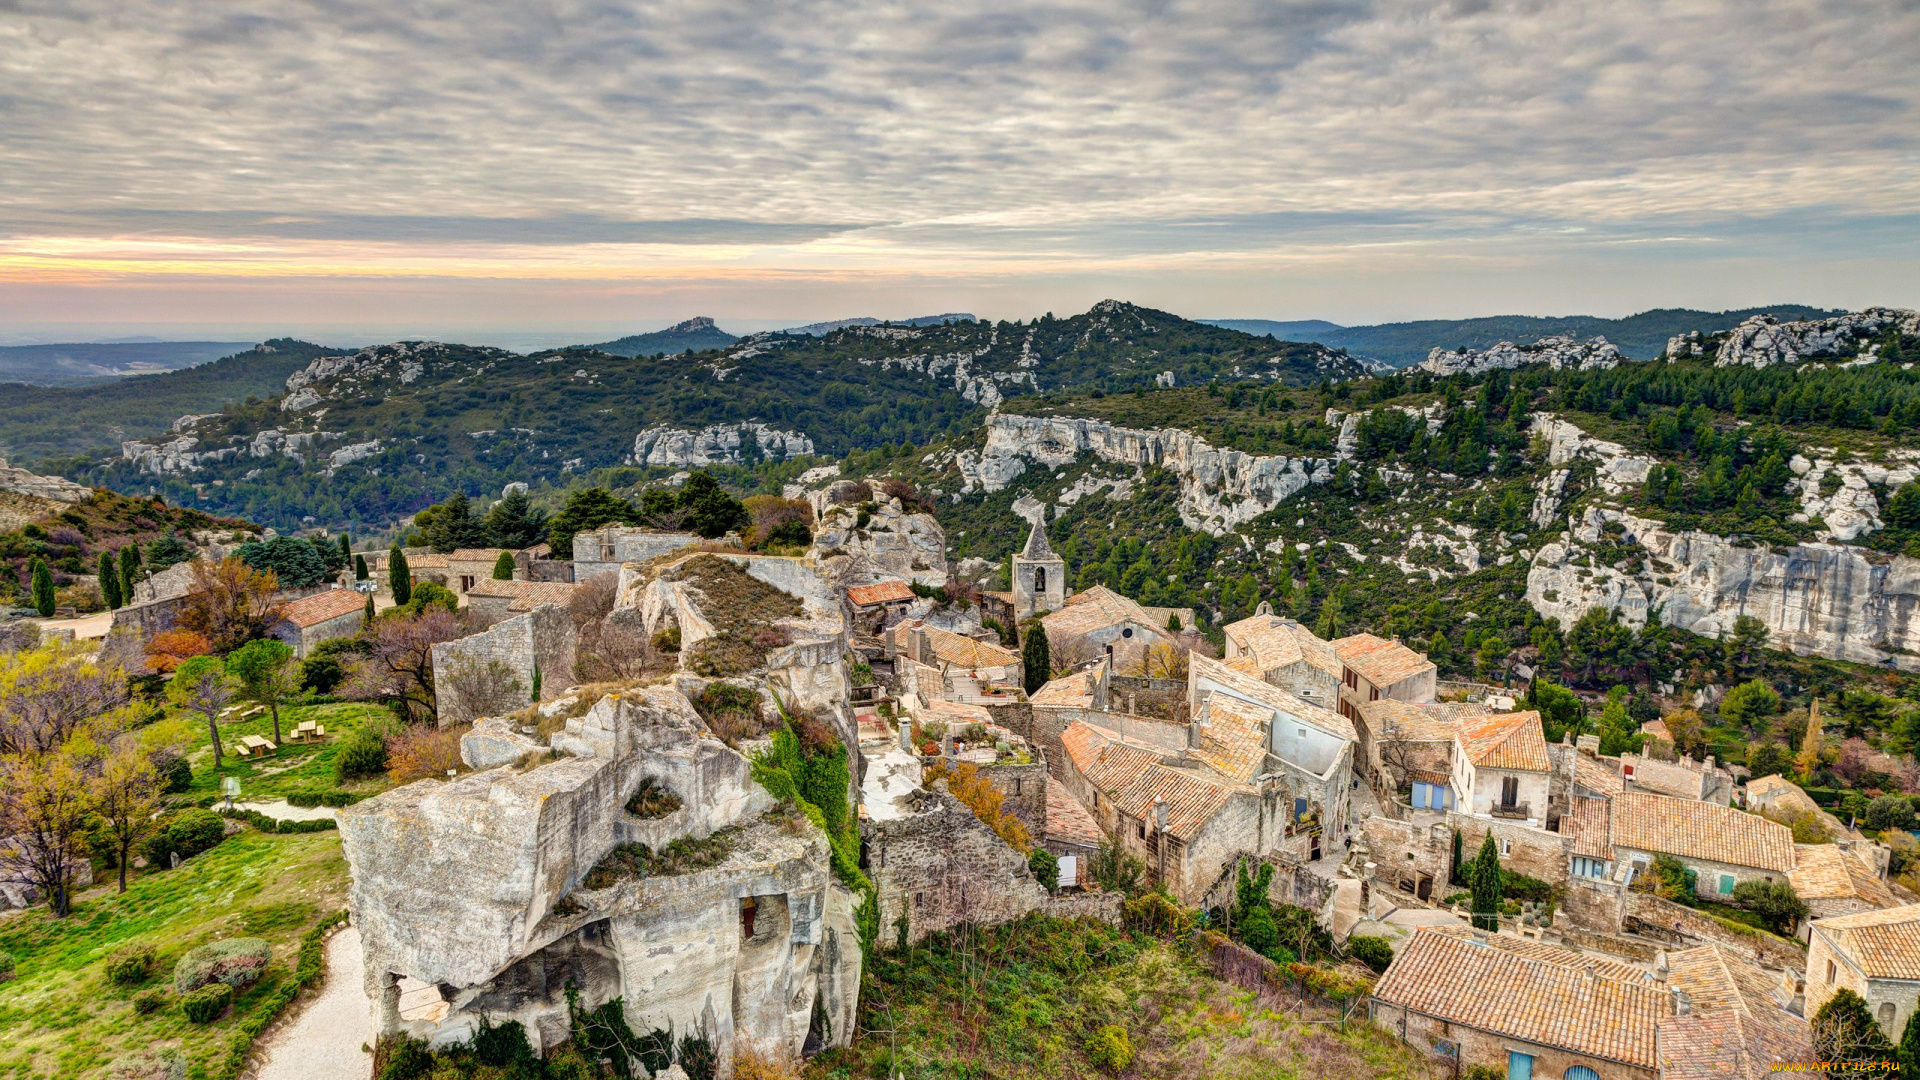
(309, 731)
(254, 746)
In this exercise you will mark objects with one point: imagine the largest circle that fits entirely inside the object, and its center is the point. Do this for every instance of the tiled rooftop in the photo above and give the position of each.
(886, 592)
(1533, 1000)
(1379, 661)
(1270, 696)
(1074, 689)
(1586, 822)
(1882, 944)
(1068, 821)
(1094, 609)
(1505, 741)
(320, 607)
(1692, 829)
(967, 652)
(1596, 777)
(1824, 872)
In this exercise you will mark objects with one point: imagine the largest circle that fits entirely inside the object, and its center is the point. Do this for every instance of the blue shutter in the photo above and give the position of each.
(1519, 1066)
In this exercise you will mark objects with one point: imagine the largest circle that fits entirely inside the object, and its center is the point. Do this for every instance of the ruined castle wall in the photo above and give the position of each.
(941, 867)
(544, 637)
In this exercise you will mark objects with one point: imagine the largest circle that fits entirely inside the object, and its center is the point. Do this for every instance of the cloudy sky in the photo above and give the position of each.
(426, 166)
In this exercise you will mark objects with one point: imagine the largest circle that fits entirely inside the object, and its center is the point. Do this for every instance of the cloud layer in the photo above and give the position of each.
(754, 145)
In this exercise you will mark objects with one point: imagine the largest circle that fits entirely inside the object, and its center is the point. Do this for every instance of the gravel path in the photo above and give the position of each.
(323, 1042)
(281, 810)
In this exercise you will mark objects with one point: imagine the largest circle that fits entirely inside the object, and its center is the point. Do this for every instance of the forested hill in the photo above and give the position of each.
(366, 438)
(690, 336)
(38, 423)
(1641, 336)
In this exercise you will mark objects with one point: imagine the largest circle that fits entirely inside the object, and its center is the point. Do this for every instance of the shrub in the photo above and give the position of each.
(164, 1064)
(6, 966)
(130, 965)
(234, 963)
(194, 831)
(1156, 914)
(1889, 812)
(1484, 1072)
(151, 1000)
(1110, 1050)
(1045, 867)
(652, 800)
(424, 752)
(205, 1005)
(321, 797)
(1371, 951)
(362, 753)
(178, 775)
(321, 674)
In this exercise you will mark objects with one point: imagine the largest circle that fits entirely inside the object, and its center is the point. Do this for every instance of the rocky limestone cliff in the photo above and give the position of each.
(51, 488)
(896, 542)
(1763, 341)
(357, 373)
(1555, 352)
(1219, 489)
(1827, 599)
(719, 444)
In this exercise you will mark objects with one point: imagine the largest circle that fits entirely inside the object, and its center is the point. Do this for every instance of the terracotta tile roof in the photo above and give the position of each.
(525, 595)
(1067, 821)
(1595, 777)
(954, 714)
(1263, 693)
(1264, 639)
(1882, 944)
(318, 608)
(886, 592)
(426, 562)
(1245, 665)
(1586, 822)
(1656, 729)
(1074, 689)
(1234, 737)
(487, 555)
(1770, 784)
(1730, 1046)
(1505, 741)
(1192, 798)
(967, 652)
(1402, 721)
(1096, 609)
(1693, 829)
(1552, 954)
(1536, 1001)
(1717, 980)
(1379, 661)
(1824, 872)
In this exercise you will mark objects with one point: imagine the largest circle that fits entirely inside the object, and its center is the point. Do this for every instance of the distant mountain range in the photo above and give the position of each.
(82, 363)
(1641, 336)
(697, 334)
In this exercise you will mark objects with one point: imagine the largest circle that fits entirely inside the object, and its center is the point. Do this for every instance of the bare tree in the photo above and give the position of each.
(615, 647)
(476, 688)
(47, 694)
(398, 666)
(230, 602)
(44, 803)
(1072, 653)
(1164, 660)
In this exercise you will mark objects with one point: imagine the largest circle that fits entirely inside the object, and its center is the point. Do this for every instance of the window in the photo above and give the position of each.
(1016, 785)
(1142, 830)
(1590, 868)
(1509, 791)
(1581, 1072)
(1506, 847)
(1726, 884)
(1039, 579)
(1886, 1015)
(1127, 633)
(1829, 971)
(1626, 771)
(748, 908)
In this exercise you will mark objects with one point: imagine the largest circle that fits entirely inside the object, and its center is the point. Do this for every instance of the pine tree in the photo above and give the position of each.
(109, 582)
(360, 568)
(42, 587)
(1488, 882)
(129, 572)
(1035, 657)
(398, 576)
(503, 567)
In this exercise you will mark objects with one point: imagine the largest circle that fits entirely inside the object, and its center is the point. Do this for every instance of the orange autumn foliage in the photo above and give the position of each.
(966, 783)
(168, 649)
(424, 752)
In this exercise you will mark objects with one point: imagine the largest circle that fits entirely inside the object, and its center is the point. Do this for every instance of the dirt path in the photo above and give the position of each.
(324, 1041)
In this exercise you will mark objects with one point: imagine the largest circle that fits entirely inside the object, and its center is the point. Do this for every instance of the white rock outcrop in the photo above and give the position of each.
(1763, 341)
(1219, 489)
(1555, 352)
(719, 444)
(52, 488)
(1826, 599)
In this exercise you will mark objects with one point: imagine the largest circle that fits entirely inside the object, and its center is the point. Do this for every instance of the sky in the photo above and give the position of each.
(358, 169)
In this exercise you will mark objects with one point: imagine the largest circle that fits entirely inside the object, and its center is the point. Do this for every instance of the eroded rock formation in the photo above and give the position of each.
(1555, 352)
(719, 444)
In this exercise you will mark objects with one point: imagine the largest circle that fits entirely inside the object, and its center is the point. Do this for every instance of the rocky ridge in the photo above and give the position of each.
(715, 445)
(1763, 341)
(1556, 352)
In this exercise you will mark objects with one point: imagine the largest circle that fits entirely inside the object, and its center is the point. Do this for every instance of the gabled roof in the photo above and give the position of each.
(1595, 777)
(1379, 661)
(965, 651)
(1552, 954)
(886, 592)
(1692, 829)
(1735, 1028)
(489, 555)
(1134, 777)
(1824, 872)
(1400, 721)
(525, 595)
(1037, 548)
(1533, 1000)
(1068, 821)
(1095, 609)
(1074, 689)
(1717, 980)
(1234, 737)
(1505, 741)
(320, 607)
(1586, 822)
(1259, 691)
(1274, 643)
(1882, 944)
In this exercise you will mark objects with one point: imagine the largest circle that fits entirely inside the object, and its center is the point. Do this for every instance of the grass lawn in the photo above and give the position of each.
(294, 766)
(62, 1017)
(1021, 1001)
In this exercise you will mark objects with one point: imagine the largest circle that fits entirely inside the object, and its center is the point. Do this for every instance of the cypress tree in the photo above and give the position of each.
(503, 567)
(42, 588)
(1035, 656)
(360, 568)
(129, 571)
(109, 576)
(398, 576)
(346, 548)
(1489, 885)
(1908, 1052)
(367, 614)
(536, 682)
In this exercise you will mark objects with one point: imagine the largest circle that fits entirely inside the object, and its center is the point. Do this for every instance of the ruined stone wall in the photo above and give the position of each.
(1050, 720)
(544, 637)
(1401, 853)
(1593, 905)
(1023, 789)
(940, 867)
(1101, 907)
(601, 551)
(1536, 853)
(1649, 916)
(1682, 779)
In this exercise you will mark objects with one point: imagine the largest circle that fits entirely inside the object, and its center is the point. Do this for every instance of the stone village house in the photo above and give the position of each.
(1875, 954)
(310, 620)
(1501, 768)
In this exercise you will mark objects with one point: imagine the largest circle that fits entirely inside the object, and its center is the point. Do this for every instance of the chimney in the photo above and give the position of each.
(1194, 724)
(1160, 815)
(1682, 1001)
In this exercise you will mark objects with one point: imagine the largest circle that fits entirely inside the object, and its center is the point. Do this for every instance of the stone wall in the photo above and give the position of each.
(1596, 906)
(1101, 907)
(1536, 853)
(1402, 854)
(1663, 920)
(1023, 789)
(544, 637)
(602, 550)
(939, 866)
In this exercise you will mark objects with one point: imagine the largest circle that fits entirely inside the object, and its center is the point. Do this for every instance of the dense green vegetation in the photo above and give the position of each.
(71, 542)
(41, 422)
